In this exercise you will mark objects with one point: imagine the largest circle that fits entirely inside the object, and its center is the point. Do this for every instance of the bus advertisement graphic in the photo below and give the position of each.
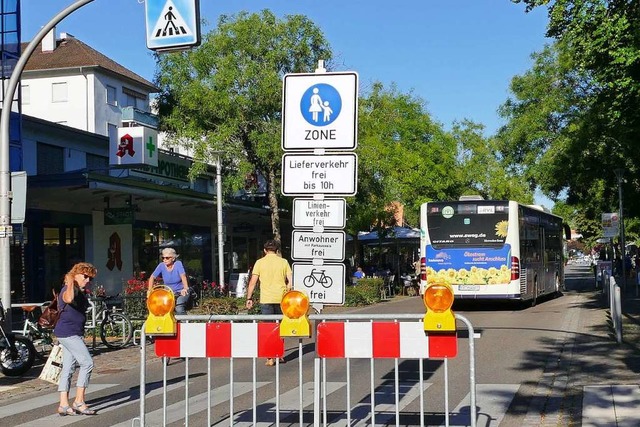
(469, 265)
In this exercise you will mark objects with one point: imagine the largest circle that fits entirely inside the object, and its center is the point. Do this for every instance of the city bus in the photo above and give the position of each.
(488, 249)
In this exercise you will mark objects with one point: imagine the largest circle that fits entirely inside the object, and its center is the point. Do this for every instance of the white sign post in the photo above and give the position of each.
(324, 284)
(320, 111)
(334, 174)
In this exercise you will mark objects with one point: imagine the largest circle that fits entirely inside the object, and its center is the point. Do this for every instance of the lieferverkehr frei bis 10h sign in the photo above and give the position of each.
(320, 111)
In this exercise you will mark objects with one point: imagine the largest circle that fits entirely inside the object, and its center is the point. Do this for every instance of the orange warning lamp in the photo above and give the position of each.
(295, 305)
(438, 298)
(160, 320)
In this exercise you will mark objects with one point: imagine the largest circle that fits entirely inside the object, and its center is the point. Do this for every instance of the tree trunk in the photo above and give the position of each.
(273, 204)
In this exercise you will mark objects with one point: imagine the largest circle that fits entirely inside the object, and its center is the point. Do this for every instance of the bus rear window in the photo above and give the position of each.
(464, 224)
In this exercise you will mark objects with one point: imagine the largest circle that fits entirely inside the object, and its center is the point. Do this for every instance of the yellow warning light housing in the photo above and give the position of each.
(295, 306)
(161, 320)
(438, 299)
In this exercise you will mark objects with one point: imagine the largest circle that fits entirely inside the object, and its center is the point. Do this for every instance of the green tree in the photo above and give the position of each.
(586, 90)
(481, 169)
(224, 97)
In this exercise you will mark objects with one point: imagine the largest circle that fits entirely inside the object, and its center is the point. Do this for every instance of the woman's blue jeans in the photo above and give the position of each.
(75, 353)
(181, 303)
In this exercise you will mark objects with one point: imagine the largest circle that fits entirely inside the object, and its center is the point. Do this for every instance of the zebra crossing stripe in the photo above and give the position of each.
(197, 403)
(492, 401)
(51, 399)
(289, 404)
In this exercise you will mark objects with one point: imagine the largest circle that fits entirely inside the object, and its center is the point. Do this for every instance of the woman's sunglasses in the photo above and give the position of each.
(167, 257)
(86, 276)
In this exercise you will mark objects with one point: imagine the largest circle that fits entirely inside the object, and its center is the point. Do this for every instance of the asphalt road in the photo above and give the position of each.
(519, 353)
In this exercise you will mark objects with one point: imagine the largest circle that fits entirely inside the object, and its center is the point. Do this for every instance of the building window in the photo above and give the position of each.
(98, 164)
(26, 94)
(111, 96)
(59, 92)
(50, 159)
(135, 99)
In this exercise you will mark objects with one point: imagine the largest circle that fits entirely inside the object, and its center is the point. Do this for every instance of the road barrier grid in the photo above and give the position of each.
(340, 342)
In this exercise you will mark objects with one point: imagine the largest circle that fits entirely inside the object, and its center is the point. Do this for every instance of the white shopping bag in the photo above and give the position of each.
(53, 366)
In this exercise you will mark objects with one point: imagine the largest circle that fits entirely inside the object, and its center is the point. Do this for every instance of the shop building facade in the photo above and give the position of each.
(79, 207)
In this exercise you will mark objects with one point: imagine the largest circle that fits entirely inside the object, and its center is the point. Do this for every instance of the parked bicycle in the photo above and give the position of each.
(41, 338)
(116, 328)
(16, 351)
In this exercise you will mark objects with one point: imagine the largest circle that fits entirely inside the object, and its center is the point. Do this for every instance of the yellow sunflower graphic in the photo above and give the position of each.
(501, 228)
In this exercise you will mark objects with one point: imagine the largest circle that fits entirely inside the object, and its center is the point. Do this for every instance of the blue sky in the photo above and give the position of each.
(459, 56)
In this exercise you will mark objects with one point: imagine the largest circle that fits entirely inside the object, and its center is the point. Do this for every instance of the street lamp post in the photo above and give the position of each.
(6, 229)
(619, 175)
(219, 220)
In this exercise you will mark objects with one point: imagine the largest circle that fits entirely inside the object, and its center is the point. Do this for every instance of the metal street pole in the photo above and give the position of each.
(619, 175)
(6, 230)
(220, 228)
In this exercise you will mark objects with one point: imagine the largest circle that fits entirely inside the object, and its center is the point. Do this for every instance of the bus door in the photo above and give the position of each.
(546, 273)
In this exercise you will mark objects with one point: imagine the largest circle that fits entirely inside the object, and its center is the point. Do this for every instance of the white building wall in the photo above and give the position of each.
(86, 107)
(72, 112)
(106, 113)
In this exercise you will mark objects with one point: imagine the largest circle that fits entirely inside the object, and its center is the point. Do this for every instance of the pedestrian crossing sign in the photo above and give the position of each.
(172, 24)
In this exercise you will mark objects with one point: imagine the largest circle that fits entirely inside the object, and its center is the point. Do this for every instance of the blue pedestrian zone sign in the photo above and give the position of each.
(320, 111)
(320, 104)
(172, 24)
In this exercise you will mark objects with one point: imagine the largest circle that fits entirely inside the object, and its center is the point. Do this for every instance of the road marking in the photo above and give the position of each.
(492, 401)
(197, 403)
(48, 399)
(289, 404)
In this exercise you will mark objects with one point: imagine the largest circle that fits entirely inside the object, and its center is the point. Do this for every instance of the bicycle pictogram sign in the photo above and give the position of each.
(317, 276)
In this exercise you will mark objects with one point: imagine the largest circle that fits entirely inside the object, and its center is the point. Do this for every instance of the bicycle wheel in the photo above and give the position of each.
(327, 282)
(116, 330)
(308, 281)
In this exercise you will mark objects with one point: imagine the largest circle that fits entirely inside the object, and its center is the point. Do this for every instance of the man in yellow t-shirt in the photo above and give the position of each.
(274, 274)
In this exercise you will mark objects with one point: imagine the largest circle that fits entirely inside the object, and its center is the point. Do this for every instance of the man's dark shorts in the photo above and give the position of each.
(270, 309)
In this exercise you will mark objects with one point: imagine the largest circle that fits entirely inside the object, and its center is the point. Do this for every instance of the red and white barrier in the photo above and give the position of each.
(223, 340)
(382, 340)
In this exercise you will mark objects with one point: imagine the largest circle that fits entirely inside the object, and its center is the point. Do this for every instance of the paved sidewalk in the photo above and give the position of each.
(610, 372)
(594, 381)
(106, 362)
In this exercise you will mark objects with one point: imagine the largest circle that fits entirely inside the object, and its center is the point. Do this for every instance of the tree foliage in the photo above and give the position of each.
(224, 97)
(575, 116)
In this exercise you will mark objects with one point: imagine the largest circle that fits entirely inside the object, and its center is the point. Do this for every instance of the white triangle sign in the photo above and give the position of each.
(170, 23)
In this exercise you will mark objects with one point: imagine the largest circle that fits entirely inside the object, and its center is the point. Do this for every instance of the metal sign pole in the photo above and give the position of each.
(6, 231)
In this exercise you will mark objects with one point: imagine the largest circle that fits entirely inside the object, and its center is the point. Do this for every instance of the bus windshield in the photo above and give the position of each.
(467, 224)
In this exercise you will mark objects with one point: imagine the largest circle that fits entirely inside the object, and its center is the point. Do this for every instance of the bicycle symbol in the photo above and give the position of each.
(317, 276)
